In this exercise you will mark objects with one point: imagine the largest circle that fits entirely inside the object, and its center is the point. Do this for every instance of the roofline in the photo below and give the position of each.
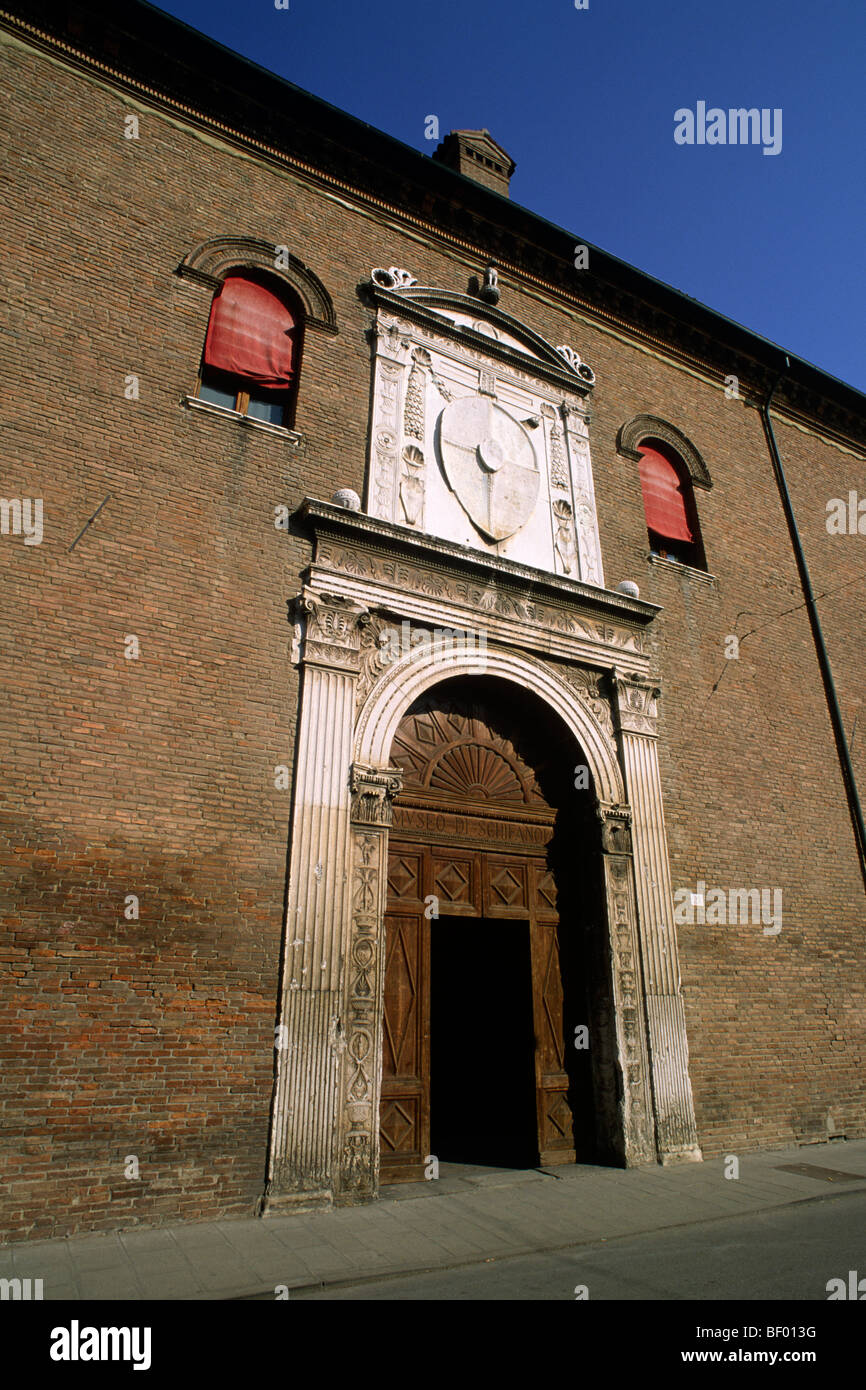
(52, 30)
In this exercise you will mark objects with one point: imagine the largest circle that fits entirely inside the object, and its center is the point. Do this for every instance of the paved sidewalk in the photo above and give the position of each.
(469, 1215)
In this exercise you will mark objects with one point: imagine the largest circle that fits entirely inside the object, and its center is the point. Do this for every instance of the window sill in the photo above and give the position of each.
(688, 570)
(194, 403)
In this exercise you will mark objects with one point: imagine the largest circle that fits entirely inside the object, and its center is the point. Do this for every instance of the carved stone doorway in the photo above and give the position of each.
(493, 886)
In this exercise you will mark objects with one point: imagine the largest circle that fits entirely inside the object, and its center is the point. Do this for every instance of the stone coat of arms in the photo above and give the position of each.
(489, 463)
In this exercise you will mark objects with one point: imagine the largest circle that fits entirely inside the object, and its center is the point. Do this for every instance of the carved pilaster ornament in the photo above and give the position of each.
(564, 535)
(413, 413)
(412, 485)
(391, 353)
(373, 791)
(375, 659)
(615, 828)
(586, 521)
(636, 1119)
(588, 686)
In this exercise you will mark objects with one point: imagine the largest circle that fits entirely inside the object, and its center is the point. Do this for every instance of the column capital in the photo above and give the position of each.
(575, 415)
(373, 790)
(635, 703)
(615, 827)
(328, 629)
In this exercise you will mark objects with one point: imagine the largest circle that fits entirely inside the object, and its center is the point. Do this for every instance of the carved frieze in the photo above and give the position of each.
(488, 598)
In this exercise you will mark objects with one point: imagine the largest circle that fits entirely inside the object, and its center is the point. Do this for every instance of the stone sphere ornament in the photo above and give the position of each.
(629, 588)
(345, 497)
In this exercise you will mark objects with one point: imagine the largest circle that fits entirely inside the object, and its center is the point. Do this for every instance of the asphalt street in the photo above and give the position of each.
(788, 1254)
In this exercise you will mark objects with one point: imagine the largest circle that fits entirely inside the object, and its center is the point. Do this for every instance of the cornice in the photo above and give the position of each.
(323, 519)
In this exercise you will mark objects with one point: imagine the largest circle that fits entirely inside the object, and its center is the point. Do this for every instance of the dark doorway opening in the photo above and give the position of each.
(482, 1044)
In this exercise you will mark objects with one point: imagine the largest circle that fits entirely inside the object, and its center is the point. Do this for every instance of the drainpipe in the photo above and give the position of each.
(823, 659)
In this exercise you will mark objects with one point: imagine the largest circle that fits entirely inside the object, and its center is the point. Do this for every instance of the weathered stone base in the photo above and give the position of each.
(286, 1203)
(693, 1155)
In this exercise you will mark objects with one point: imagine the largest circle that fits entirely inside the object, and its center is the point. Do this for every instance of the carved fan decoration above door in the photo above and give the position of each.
(454, 756)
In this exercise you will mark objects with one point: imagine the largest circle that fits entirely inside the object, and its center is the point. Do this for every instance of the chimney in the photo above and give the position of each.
(476, 154)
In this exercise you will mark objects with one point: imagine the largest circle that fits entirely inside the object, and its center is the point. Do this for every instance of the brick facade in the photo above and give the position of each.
(154, 777)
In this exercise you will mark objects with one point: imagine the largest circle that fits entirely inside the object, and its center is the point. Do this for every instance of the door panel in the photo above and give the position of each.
(455, 879)
(506, 886)
(403, 1114)
(555, 1127)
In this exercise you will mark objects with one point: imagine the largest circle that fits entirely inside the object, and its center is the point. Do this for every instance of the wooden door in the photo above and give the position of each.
(555, 1119)
(467, 884)
(469, 785)
(404, 1112)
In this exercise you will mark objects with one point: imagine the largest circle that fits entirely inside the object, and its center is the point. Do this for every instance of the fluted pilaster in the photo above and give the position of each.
(310, 1036)
(636, 709)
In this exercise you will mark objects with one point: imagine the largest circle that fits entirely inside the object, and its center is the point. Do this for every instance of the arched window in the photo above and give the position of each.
(669, 505)
(252, 348)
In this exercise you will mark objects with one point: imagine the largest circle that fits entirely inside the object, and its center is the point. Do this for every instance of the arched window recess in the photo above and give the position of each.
(670, 467)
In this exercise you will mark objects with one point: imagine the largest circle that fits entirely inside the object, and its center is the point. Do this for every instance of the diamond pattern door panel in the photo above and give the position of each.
(456, 883)
(401, 1042)
(505, 887)
(544, 892)
(404, 876)
(399, 1132)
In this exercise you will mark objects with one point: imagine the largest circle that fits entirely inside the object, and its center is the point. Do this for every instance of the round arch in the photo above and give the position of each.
(408, 678)
(641, 427)
(210, 262)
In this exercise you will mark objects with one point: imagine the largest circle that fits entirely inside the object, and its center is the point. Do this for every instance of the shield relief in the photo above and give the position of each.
(489, 464)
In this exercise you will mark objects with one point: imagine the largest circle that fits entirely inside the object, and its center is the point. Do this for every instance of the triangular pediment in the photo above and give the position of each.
(473, 317)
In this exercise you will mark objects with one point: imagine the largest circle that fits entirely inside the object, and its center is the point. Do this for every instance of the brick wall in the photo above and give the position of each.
(155, 777)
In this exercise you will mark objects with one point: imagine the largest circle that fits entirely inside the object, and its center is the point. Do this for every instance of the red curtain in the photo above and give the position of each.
(250, 334)
(663, 498)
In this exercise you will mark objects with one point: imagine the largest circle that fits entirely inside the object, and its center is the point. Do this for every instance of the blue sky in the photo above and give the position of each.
(584, 101)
